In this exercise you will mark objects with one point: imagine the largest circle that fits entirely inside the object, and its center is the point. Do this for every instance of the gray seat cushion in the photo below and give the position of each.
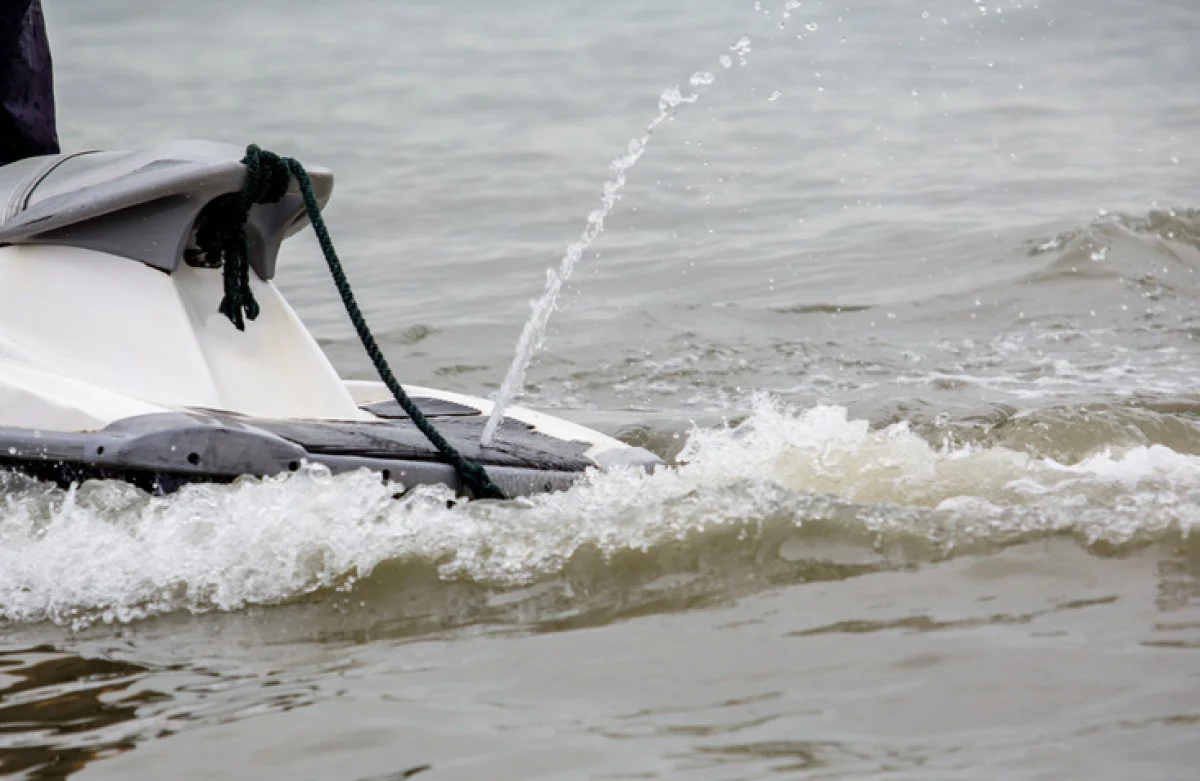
(142, 205)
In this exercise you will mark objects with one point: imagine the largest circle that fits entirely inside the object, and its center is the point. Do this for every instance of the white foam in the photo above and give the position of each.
(107, 552)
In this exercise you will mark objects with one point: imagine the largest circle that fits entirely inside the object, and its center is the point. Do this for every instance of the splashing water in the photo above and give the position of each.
(534, 332)
(107, 552)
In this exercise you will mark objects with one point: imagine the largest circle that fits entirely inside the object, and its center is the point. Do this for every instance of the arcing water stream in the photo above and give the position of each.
(535, 328)
(534, 332)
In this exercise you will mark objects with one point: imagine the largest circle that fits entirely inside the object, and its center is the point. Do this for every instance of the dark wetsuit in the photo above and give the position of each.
(27, 123)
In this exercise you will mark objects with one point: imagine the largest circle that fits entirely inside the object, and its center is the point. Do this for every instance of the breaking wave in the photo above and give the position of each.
(785, 494)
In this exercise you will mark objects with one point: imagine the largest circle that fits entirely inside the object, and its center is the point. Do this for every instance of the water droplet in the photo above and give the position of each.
(669, 98)
(701, 78)
(811, 27)
(742, 48)
(726, 61)
(924, 14)
(774, 96)
(12, 451)
(1175, 160)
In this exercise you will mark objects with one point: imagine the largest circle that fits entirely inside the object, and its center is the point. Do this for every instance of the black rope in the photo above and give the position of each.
(224, 235)
(221, 236)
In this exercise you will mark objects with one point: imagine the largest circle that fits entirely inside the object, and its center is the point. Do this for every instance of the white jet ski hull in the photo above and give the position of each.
(115, 362)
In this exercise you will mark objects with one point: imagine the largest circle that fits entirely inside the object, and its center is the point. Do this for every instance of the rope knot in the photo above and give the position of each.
(221, 237)
(267, 177)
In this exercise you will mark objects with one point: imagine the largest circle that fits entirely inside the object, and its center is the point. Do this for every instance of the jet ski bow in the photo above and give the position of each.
(116, 363)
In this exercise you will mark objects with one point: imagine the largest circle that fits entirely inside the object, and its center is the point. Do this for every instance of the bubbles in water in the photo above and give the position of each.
(701, 78)
(774, 96)
(811, 27)
(725, 60)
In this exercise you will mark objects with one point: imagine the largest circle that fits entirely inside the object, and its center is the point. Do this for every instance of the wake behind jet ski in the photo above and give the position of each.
(142, 338)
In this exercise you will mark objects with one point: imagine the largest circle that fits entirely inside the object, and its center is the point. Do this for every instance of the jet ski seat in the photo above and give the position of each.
(142, 205)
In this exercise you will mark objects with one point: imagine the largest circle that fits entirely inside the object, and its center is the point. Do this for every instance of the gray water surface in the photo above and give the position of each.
(909, 299)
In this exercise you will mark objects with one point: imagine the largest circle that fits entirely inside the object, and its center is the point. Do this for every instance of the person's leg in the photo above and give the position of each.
(27, 123)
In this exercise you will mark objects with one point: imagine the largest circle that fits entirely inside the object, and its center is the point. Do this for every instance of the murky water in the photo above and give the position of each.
(909, 299)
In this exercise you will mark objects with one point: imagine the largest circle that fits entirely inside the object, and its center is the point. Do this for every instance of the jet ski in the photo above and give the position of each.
(116, 363)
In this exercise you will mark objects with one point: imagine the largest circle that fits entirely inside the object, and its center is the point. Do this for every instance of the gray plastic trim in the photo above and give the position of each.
(513, 481)
(197, 447)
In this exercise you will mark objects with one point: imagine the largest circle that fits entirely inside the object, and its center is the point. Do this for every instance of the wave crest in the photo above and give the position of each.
(767, 498)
